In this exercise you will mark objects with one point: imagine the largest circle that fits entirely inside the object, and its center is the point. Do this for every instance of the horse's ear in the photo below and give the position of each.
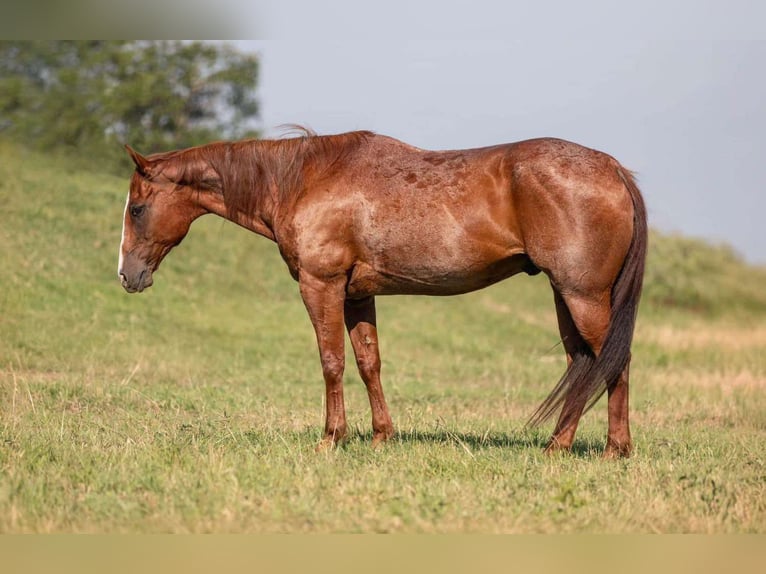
(143, 165)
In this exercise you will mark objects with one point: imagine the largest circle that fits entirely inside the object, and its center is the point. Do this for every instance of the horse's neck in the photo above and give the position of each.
(259, 176)
(257, 220)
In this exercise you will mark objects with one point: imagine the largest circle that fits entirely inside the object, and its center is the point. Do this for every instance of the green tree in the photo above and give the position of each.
(94, 96)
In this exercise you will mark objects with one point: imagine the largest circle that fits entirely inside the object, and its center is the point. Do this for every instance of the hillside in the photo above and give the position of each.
(98, 387)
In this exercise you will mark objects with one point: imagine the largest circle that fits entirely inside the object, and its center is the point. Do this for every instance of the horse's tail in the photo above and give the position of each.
(588, 376)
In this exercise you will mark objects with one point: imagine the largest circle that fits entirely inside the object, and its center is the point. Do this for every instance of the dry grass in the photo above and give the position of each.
(700, 335)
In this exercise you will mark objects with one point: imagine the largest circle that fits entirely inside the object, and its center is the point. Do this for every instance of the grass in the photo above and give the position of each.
(196, 406)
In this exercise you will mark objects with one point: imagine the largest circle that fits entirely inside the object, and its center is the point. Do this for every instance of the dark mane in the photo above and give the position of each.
(249, 171)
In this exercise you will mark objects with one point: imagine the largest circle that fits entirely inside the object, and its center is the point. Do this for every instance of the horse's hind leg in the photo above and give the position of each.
(618, 442)
(362, 330)
(583, 323)
(574, 345)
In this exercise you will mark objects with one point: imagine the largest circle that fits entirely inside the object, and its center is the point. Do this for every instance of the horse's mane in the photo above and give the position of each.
(244, 171)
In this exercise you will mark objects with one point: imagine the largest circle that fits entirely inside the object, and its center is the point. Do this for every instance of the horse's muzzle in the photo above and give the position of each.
(136, 282)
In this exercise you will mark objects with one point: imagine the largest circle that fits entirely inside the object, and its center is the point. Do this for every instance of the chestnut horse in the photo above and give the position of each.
(357, 215)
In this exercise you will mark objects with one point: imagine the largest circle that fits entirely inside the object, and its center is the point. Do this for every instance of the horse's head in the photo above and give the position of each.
(158, 213)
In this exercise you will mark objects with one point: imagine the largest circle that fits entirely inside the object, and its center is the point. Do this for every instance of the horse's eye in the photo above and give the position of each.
(137, 210)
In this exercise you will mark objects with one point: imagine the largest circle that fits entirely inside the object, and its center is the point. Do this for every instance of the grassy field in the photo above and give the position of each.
(196, 406)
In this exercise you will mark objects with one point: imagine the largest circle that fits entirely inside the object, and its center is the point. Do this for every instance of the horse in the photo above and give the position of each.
(359, 214)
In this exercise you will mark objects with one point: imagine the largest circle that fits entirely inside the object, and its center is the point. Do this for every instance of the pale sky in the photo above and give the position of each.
(674, 90)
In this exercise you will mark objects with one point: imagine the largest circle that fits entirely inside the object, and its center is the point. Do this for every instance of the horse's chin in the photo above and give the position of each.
(145, 281)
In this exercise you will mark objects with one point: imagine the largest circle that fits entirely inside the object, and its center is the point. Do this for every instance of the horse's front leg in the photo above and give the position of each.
(324, 302)
(363, 332)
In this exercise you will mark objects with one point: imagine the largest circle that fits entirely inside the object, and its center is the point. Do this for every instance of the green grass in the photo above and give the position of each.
(196, 406)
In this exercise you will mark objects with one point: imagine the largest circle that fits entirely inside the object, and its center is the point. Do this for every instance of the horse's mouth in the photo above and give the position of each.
(143, 281)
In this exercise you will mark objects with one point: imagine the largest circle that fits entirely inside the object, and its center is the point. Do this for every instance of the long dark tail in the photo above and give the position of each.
(588, 376)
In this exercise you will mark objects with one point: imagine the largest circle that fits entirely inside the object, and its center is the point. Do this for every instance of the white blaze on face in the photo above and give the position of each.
(122, 240)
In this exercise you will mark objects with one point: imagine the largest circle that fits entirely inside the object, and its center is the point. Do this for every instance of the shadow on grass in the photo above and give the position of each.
(521, 440)
(586, 448)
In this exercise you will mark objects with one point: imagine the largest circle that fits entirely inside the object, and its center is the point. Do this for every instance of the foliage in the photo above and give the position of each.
(196, 406)
(94, 96)
(688, 273)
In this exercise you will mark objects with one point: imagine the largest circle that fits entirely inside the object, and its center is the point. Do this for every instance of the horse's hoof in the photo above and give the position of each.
(615, 451)
(555, 447)
(325, 445)
(381, 438)
(329, 442)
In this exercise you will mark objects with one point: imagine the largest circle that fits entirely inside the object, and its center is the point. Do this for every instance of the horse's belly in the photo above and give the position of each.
(429, 279)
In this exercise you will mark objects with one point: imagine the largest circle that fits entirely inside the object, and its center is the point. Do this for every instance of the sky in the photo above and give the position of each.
(675, 90)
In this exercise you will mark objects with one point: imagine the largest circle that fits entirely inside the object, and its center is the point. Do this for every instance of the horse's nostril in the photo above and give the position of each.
(123, 279)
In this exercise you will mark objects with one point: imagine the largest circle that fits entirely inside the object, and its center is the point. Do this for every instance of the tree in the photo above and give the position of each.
(94, 96)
